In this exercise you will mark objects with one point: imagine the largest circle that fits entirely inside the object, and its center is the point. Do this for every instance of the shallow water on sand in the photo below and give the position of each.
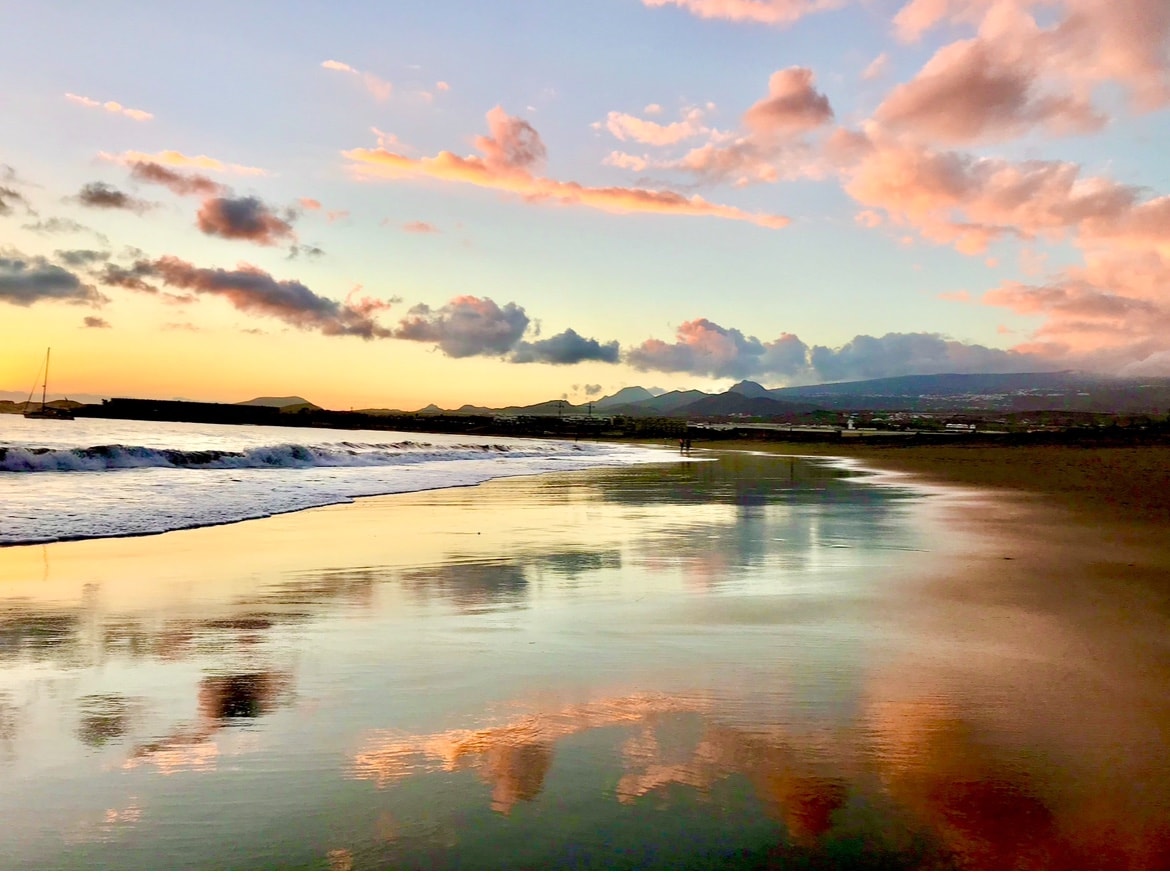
(731, 662)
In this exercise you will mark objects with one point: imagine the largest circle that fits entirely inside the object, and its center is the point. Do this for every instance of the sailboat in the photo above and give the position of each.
(45, 412)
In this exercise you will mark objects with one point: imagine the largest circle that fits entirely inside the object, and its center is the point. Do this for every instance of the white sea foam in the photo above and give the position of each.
(91, 479)
(97, 458)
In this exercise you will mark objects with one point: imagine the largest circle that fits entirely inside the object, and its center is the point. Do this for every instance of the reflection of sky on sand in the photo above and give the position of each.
(961, 799)
(753, 660)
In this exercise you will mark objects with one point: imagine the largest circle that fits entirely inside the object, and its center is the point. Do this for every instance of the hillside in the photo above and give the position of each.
(280, 402)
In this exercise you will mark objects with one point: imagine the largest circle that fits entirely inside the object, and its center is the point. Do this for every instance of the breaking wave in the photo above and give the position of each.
(279, 456)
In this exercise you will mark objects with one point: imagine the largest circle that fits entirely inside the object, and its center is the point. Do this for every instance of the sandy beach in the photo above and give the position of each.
(739, 660)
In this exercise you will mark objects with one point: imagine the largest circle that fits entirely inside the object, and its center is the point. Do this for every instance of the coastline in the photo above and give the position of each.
(1033, 624)
(1123, 485)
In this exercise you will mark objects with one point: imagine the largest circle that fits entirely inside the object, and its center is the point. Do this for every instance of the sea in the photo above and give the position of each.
(93, 478)
(317, 649)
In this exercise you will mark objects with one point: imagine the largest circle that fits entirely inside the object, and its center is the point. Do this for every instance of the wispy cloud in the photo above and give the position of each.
(56, 225)
(624, 126)
(510, 153)
(173, 158)
(752, 11)
(376, 86)
(106, 197)
(419, 227)
(110, 106)
(9, 197)
(81, 258)
(178, 182)
(255, 291)
(876, 68)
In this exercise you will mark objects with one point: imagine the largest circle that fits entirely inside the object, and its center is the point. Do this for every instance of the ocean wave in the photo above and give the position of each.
(98, 458)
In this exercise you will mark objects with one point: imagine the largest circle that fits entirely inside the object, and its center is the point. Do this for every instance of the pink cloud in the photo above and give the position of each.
(918, 16)
(110, 106)
(793, 104)
(626, 161)
(876, 68)
(177, 181)
(966, 93)
(338, 66)
(626, 127)
(959, 295)
(1021, 71)
(1113, 311)
(513, 143)
(739, 163)
(313, 205)
(958, 199)
(751, 11)
(772, 144)
(442, 86)
(419, 227)
(704, 347)
(509, 155)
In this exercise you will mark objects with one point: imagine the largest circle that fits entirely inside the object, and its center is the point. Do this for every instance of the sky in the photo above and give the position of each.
(395, 204)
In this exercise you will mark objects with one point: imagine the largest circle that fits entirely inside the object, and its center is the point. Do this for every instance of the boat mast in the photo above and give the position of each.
(45, 385)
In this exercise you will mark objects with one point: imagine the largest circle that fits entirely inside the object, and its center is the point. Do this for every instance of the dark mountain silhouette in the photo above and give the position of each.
(726, 404)
(628, 396)
(750, 389)
(1024, 391)
(280, 402)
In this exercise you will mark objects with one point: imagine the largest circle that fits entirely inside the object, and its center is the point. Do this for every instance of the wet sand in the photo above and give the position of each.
(739, 661)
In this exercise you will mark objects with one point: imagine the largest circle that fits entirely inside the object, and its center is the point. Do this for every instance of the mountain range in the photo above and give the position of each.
(1071, 391)
(1025, 391)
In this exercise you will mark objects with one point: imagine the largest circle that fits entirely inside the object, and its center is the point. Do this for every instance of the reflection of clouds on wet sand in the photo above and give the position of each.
(29, 632)
(9, 719)
(514, 757)
(811, 703)
(105, 827)
(916, 781)
(470, 585)
(794, 790)
(225, 700)
(476, 585)
(104, 718)
(999, 805)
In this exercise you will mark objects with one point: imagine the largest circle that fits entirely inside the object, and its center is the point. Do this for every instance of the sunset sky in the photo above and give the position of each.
(505, 201)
